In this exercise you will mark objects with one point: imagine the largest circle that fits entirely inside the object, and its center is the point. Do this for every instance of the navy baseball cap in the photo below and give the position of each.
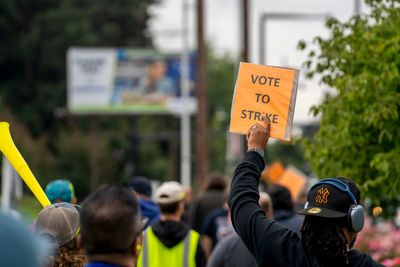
(141, 185)
(328, 201)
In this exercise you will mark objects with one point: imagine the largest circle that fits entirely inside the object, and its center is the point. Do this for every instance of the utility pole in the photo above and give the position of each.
(201, 90)
(357, 7)
(245, 50)
(245, 31)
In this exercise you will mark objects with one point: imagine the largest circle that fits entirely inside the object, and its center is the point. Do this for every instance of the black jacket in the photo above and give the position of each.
(171, 233)
(270, 243)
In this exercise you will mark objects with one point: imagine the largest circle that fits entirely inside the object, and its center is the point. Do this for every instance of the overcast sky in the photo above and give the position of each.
(223, 33)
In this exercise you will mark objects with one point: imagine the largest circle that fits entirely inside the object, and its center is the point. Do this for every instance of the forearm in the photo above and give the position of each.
(243, 201)
(244, 187)
(206, 243)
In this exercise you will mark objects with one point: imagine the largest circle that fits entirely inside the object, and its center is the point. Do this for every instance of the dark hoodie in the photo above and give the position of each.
(170, 233)
(270, 243)
(289, 219)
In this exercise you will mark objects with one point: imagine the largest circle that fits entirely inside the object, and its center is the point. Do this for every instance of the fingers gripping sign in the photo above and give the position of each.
(267, 124)
(253, 127)
(258, 135)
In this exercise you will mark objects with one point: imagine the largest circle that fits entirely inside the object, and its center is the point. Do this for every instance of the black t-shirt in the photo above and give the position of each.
(216, 225)
(270, 243)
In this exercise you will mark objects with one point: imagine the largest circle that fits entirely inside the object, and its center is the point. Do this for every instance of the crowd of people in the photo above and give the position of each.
(127, 225)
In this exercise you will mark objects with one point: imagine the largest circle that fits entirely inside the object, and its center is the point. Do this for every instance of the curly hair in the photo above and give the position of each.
(324, 237)
(68, 255)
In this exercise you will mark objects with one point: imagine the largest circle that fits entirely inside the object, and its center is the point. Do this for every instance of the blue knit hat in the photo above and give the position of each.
(60, 190)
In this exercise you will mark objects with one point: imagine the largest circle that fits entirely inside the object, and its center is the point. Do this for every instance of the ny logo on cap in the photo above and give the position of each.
(322, 195)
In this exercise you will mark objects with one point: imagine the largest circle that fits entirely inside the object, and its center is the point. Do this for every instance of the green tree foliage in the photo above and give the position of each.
(35, 36)
(359, 133)
(221, 83)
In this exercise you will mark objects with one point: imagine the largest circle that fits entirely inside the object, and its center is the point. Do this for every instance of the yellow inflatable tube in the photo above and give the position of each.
(11, 152)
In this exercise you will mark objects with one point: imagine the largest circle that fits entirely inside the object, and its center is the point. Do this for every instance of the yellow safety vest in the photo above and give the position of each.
(155, 254)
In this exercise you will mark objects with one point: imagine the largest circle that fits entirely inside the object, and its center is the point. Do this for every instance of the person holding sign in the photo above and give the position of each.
(333, 217)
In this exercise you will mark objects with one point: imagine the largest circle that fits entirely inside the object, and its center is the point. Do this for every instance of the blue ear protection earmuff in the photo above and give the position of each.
(355, 212)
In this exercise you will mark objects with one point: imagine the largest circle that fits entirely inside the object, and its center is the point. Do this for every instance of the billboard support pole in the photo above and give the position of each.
(202, 100)
(94, 158)
(6, 186)
(185, 94)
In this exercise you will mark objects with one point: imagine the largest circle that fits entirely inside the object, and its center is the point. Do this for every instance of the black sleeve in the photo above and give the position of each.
(201, 259)
(266, 240)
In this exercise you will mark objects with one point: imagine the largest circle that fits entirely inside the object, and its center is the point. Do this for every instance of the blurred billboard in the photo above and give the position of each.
(126, 81)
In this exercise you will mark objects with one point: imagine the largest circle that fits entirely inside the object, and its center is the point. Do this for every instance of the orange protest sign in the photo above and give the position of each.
(294, 180)
(275, 171)
(264, 91)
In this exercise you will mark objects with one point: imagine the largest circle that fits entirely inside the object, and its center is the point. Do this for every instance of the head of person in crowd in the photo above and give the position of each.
(333, 218)
(59, 225)
(18, 246)
(61, 191)
(301, 199)
(215, 181)
(142, 187)
(170, 197)
(111, 227)
(188, 204)
(265, 202)
(148, 208)
(283, 207)
(281, 197)
(188, 195)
